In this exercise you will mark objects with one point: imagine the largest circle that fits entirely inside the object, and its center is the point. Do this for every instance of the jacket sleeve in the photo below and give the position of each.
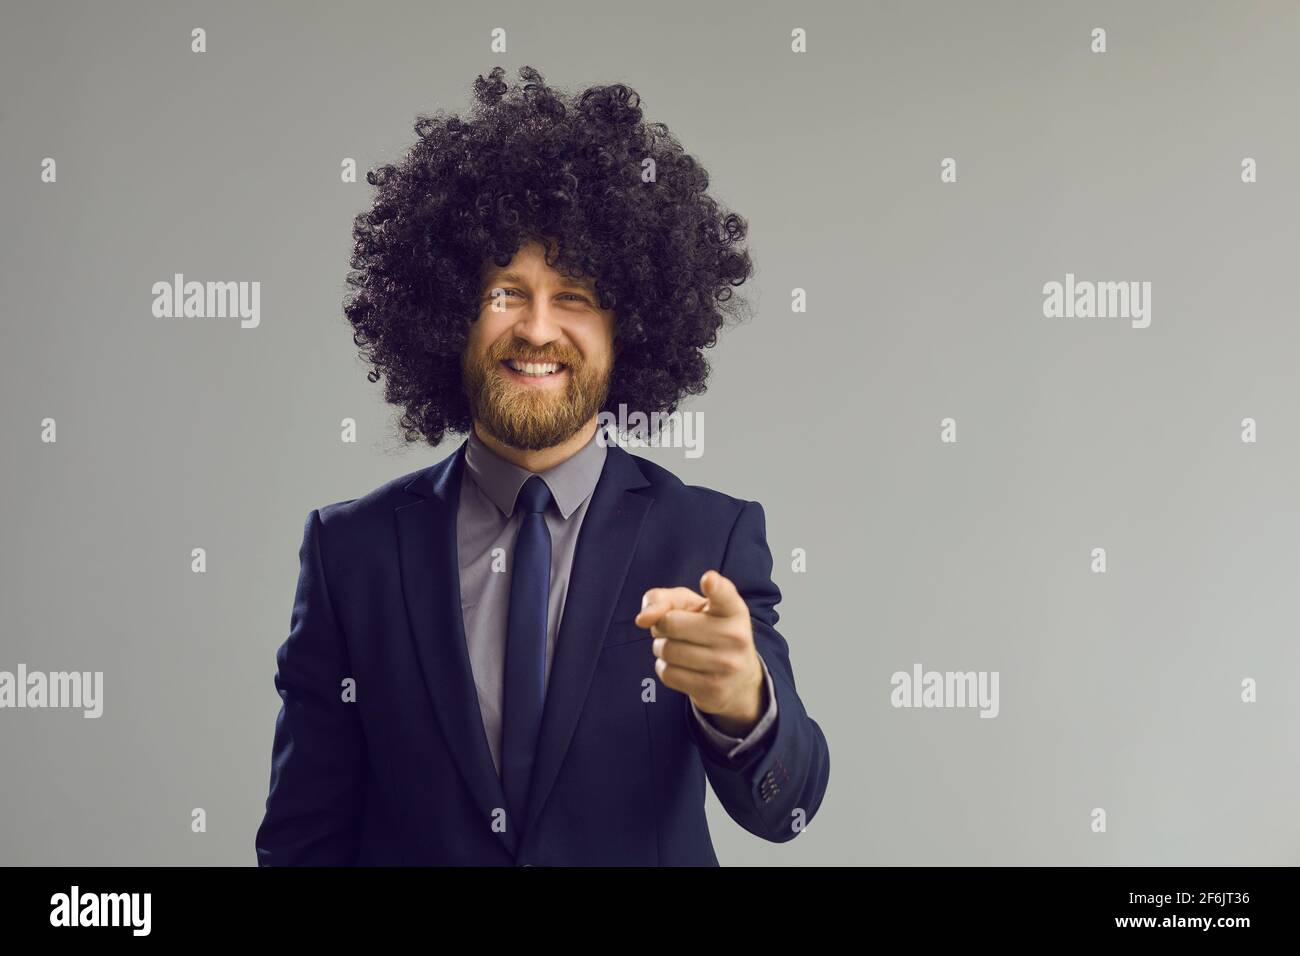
(313, 810)
(774, 788)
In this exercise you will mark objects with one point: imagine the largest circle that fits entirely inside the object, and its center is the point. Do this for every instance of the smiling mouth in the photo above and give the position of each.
(534, 369)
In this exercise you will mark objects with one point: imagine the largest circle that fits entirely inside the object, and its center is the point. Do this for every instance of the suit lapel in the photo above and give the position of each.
(606, 542)
(430, 570)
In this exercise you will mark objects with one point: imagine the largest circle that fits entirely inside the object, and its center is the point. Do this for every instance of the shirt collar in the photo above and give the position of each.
(571, 481)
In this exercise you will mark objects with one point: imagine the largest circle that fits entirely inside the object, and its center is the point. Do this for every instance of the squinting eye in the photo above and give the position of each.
(503, 291)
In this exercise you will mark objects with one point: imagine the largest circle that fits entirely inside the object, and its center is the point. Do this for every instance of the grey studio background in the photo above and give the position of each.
(1119, 690)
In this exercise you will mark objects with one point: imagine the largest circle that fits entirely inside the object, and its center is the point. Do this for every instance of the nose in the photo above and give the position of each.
(537, 325)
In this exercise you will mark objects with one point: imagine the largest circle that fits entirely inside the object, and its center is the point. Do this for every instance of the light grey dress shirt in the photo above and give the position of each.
(486, 526)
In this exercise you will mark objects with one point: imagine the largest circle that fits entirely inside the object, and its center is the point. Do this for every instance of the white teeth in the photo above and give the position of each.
(534, 368)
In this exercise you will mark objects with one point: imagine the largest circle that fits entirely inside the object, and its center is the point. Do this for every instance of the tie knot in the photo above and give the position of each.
(534, 496)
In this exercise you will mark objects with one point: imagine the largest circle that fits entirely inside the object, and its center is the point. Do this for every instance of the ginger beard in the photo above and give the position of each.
(533, 416)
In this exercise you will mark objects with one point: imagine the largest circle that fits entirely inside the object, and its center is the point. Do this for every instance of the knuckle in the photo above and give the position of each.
(735, 634)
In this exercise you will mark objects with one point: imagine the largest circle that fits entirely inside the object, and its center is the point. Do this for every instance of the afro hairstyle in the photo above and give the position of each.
(622, 202)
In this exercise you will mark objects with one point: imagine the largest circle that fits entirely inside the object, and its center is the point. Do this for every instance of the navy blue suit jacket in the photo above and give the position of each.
(403, 774)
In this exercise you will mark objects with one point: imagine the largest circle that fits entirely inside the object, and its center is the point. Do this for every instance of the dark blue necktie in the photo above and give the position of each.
(525, 671)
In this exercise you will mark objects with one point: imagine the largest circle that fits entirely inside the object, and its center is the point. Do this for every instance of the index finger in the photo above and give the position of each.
(658, 601)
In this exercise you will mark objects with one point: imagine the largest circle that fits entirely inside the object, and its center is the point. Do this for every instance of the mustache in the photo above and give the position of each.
(526, 355)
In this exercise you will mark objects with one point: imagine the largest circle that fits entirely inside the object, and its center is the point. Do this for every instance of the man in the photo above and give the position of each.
(537, 650)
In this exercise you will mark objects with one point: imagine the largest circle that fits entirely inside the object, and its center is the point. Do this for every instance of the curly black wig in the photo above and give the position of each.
(528, 164)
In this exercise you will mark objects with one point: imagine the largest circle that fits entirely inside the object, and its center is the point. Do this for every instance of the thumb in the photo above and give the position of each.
(724, 598)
